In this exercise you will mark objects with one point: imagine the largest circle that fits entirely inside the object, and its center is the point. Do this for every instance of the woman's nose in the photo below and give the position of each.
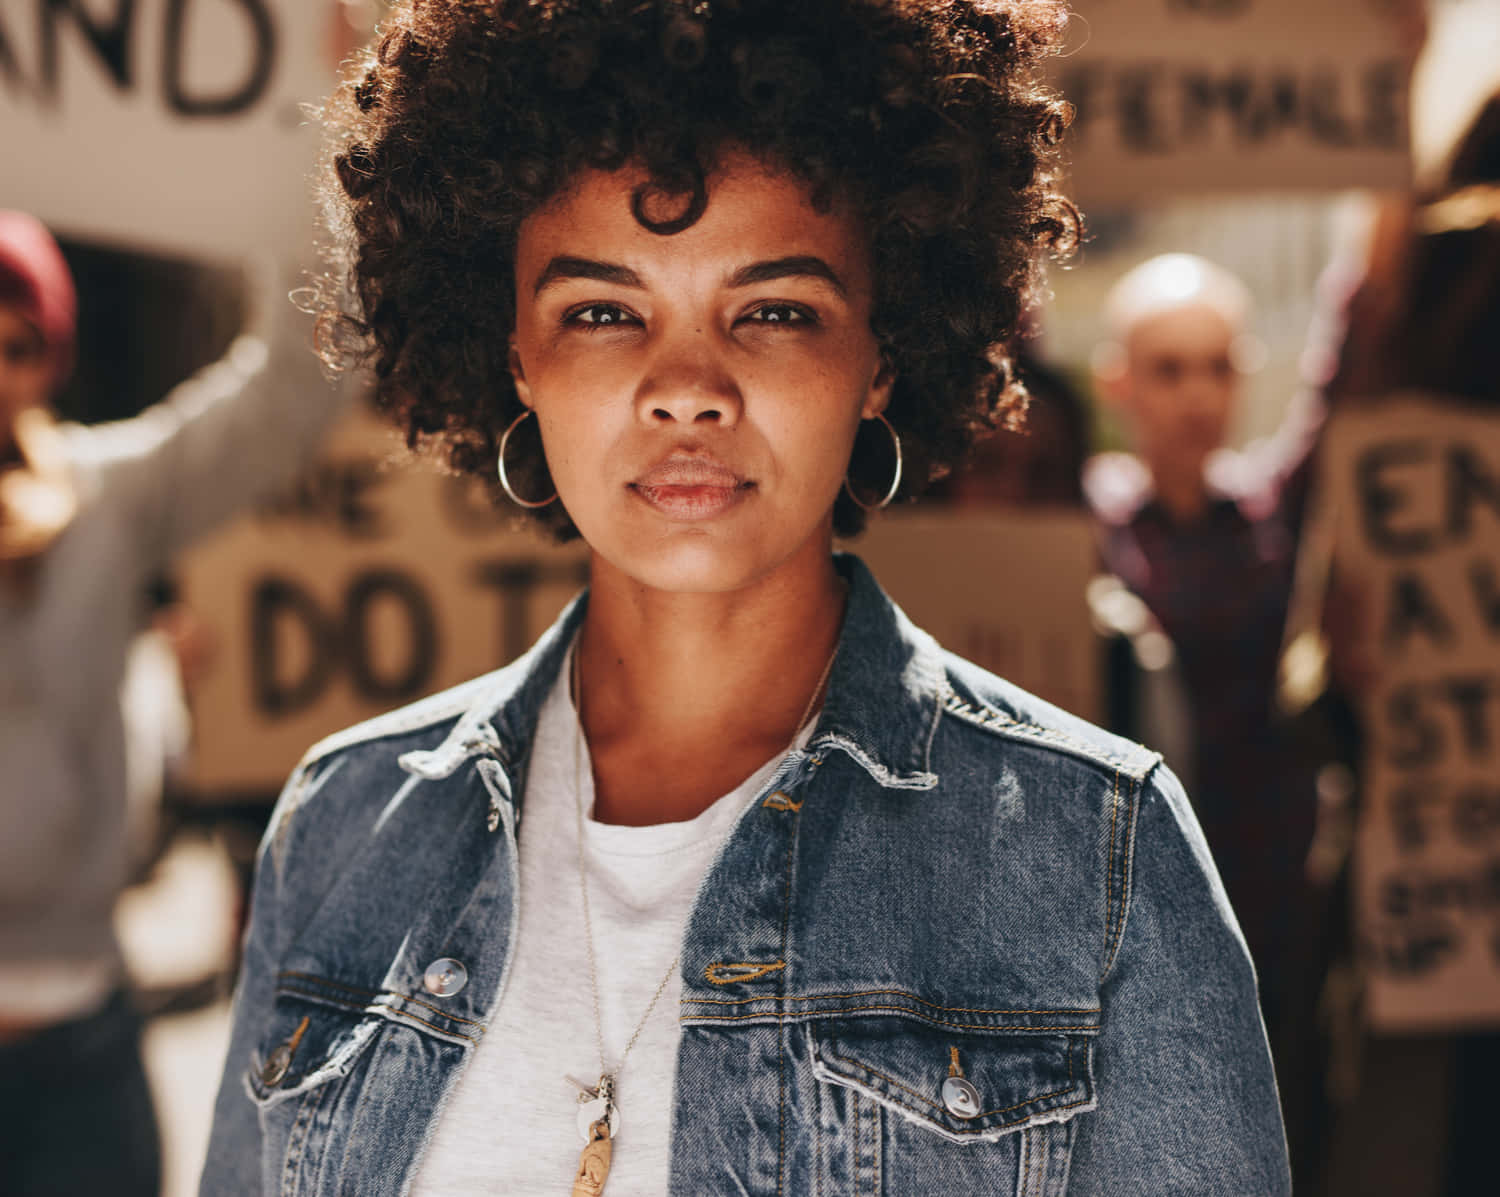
(688, 383)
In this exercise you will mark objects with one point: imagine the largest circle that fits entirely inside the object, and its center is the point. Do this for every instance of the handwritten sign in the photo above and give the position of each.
(173, 125)
(1181, 96)
(380, 579)
(1416, 485)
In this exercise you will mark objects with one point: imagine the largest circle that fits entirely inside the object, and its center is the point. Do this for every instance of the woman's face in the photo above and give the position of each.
(698, 393)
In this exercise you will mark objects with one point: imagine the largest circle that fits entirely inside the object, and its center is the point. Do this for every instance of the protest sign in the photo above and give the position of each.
(1005, 588)
(1181, 96)
(380, 579)
(1415, 488)
(171, 125)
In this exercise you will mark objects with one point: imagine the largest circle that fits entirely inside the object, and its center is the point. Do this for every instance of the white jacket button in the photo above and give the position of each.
(960, 1097)
(445, 977)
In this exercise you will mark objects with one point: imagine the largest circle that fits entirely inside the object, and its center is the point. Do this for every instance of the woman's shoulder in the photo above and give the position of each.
(1011, 715)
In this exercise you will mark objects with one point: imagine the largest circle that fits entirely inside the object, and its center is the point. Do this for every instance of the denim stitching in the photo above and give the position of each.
(964, 1026)
(780, 801)
(989, 718)
(1128, 855)
(377, 993)
(377, 1007)
(985, 1130)
(820, 997)
(1109, 875)
(935, 1106)
(326, 999)
(817, 1107)
(433, 1025)
(786, 919)
(754, 971)
(388, 726)
(295, 1141)
(855, 1097)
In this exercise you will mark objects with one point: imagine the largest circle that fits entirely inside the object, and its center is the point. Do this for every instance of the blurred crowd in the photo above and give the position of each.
(1204, 555)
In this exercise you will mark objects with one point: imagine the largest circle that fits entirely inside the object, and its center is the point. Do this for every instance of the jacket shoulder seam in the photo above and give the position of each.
(1135, 764)
(394, 723)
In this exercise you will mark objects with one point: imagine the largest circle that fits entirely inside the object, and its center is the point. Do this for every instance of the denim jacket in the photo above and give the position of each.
(964, 943)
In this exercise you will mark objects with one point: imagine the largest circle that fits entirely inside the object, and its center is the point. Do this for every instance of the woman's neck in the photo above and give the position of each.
(683, 696)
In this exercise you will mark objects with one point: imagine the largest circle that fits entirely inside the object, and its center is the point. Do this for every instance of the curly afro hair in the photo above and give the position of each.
(468, 115)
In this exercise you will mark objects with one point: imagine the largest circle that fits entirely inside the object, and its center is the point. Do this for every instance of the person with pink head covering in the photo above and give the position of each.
(87, 517)
(38, 308)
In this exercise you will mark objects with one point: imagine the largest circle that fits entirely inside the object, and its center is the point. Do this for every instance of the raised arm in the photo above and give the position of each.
(1187, 1096)
(226, 438)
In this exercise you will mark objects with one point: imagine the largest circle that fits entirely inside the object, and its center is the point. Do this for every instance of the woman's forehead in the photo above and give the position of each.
(754, 212)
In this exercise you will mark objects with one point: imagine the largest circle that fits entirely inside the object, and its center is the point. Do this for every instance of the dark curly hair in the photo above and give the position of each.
(468, 115)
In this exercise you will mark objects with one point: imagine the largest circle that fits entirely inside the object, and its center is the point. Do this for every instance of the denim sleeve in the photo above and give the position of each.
(1187, 1097)
(233, 1166)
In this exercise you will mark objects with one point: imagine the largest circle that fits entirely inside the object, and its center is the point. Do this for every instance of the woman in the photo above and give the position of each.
(704, 280)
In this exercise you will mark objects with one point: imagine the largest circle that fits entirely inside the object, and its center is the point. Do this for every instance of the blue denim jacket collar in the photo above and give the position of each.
(885, 697)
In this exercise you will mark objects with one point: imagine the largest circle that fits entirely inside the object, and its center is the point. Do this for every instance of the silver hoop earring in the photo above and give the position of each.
(505, 480)
(895, 482)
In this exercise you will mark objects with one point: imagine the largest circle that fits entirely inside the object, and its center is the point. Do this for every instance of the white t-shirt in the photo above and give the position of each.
(510, 1125)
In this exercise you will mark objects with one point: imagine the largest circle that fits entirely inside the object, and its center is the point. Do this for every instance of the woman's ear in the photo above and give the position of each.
(518, 376)
(879, 394)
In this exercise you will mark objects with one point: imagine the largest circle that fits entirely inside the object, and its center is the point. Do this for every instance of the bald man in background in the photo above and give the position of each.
(1206, 537)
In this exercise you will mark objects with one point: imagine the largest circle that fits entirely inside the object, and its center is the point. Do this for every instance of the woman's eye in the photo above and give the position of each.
(598, 315)
(780, 313)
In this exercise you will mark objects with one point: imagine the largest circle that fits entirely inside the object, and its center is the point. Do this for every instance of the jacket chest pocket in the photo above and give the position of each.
(906, 1107)
(338, 1089)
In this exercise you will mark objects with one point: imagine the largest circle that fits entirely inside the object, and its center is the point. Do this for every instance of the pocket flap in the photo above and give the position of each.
(305, 1043)
(1010, 1080)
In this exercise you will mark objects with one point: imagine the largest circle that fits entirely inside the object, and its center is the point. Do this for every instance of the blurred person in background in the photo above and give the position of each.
(1206, 538)
(1424, 319)
(88, 516)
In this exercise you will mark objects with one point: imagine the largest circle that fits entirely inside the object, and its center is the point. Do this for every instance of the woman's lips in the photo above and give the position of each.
(691, 488)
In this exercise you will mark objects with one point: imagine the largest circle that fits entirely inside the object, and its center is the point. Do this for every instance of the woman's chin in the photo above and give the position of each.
(703, 558)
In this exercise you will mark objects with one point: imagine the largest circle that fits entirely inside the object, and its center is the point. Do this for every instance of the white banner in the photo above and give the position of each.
(1182, 96)
(172, 125)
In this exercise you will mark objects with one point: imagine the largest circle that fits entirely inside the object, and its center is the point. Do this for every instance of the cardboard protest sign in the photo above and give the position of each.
(381, 579)
(1182, 96)
(1004, 588)
(378, 580)
(1415, 485)
(174, 125)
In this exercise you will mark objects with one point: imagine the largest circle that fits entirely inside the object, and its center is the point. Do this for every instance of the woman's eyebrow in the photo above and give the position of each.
(562, 268)
(802, 265)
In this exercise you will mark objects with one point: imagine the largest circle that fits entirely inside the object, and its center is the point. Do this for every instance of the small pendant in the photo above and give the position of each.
(593, 1164)
(594, 1104)
(589, 1112)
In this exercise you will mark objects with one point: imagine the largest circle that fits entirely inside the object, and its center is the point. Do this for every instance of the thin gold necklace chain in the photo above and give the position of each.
(607, 1078)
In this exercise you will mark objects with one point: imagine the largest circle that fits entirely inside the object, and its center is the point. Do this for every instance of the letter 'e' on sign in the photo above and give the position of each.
(1181, 96)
